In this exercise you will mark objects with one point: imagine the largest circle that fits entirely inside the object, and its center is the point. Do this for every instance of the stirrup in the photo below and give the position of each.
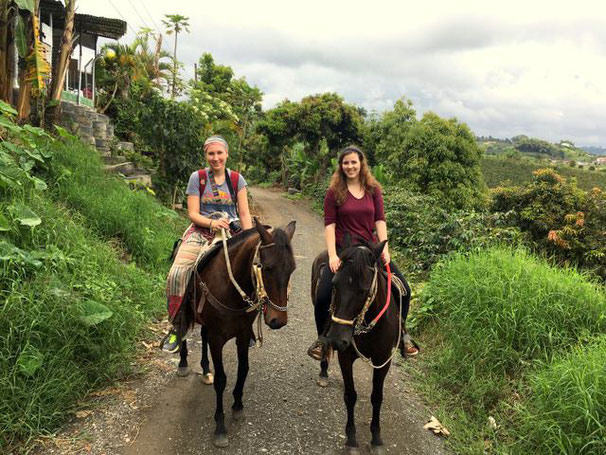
(318, 350)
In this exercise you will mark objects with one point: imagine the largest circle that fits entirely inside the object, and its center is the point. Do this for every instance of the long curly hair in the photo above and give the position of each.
(338, 182)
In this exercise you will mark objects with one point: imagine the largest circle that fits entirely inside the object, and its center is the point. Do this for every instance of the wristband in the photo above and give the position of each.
(210, 226)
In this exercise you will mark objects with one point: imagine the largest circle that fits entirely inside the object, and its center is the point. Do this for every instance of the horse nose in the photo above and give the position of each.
(274, 324)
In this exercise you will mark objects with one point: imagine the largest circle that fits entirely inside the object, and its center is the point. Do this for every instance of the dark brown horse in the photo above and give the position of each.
(360, 293)
(214, 302)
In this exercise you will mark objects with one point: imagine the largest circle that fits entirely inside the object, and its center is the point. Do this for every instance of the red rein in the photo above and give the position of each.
(376, 319)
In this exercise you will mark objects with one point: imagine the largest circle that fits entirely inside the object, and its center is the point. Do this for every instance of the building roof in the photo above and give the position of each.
(85, 23)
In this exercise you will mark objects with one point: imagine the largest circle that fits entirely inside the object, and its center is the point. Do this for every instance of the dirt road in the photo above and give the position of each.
(285, 411)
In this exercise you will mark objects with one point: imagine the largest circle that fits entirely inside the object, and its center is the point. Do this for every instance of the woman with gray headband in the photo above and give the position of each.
(210, 190)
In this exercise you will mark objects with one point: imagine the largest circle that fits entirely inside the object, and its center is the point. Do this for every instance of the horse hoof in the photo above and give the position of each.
(377, 450)
(237, 414)
(220, 440)
(352, 450)
(322, 381)
(208, 378)
(182, 371)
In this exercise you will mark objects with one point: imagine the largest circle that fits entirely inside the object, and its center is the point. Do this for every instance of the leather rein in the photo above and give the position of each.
(260, 300)
(359, 324)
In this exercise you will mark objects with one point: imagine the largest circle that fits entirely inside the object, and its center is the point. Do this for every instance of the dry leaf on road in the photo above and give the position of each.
(435, 426)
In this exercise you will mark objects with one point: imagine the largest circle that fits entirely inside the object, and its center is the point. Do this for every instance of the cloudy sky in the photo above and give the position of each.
(505, 68)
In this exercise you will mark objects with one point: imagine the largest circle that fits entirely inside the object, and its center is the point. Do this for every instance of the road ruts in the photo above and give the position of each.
(286, 412)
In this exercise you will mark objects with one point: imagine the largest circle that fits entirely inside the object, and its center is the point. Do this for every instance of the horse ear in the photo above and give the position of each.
(265, 236)
(346, 240)
(290, 229)
(378, 250)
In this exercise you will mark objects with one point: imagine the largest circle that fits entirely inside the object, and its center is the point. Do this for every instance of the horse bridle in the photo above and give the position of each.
(262, 300)
(359, 323)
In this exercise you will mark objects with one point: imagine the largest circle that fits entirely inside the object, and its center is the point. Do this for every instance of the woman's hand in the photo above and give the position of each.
(334, 263)
(217, 225)
(385, 256)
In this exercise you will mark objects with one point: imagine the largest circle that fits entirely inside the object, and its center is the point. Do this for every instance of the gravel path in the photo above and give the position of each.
(285, 411)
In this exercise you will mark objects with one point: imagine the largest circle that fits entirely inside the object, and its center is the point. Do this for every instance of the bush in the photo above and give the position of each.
(499, 311)
(566, 412)
(423, 231)
(561, 219)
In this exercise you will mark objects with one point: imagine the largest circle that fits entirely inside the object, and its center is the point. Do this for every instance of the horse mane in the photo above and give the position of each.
(234, 241)
(360, 256)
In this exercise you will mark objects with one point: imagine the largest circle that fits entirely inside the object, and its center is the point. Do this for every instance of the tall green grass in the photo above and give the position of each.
(500, 311)
(51, 352)
(146, 229)
(566, 410)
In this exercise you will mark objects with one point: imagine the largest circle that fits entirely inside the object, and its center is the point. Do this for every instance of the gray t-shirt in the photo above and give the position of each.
(210, 203)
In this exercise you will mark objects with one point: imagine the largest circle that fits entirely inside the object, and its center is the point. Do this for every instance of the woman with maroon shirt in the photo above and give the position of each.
(353, 204)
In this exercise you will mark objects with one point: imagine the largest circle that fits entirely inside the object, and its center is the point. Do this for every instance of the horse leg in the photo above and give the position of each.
(207, 375)
(323, 377)
(376, 398)
(183, 370)
(216, 351)
(238, 407)
(350, 397)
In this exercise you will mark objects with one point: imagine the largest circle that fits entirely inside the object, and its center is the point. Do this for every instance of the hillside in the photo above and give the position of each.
(83, 259)
(502, 171)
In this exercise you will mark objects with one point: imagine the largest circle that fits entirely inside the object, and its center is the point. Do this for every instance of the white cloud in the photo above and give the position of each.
(503, 67)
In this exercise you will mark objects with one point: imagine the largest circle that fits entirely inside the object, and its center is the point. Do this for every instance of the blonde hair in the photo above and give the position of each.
(338, 182)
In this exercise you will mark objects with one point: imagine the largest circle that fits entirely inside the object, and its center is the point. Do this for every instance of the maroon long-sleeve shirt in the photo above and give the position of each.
(356, 216)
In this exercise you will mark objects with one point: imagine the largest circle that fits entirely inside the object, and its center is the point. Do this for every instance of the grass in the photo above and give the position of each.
(499, 316)
(146, 229)
(566, 412)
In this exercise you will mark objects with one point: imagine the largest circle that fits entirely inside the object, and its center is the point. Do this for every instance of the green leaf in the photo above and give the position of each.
(6, 108)
(94, 312)
(26, 216)
(63, 132)
(26, 5)
(4, 224)
(30, 360)
(21, 38)
(39, 184)
(6, 123)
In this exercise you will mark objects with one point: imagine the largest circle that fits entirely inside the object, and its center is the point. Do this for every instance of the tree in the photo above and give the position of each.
(7, 17)
(432, 156)
(176, 23)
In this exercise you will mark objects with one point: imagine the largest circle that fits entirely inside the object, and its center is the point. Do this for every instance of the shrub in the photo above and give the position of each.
(423, 231)
(499, 311)
(561, 219)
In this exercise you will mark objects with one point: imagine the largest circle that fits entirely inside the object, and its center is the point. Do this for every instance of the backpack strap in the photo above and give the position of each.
(232, 183)
(203, 179)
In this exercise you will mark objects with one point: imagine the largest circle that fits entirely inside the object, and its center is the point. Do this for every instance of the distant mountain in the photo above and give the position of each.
(595, 150)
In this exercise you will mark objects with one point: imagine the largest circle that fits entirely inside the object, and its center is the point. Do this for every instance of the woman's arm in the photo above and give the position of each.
(331, 245)
(381, 227)
(193, 212)
(243, 210)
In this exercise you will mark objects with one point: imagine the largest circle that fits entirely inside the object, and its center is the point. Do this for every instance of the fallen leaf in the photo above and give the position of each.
(82, 414)
(435, 426)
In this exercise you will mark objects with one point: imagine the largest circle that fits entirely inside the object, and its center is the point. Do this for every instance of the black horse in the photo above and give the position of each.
(214, 302)
(360, 295)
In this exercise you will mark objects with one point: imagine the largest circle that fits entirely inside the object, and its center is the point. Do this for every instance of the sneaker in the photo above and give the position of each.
(252, 342)
(171, 342)
(408, 348)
